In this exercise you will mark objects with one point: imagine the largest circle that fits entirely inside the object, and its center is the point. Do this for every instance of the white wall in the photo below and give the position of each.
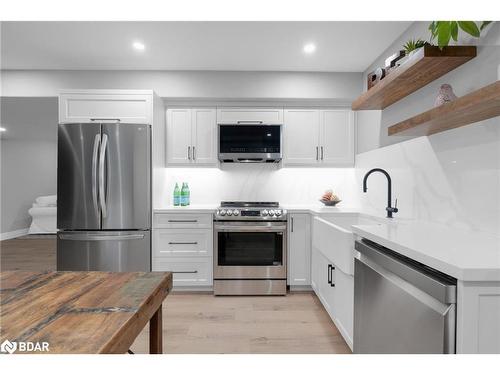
(28, 157)
(189, 84)
(451, 177)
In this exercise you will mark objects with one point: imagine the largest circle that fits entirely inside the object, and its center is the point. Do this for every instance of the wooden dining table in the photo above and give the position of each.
(82, 312)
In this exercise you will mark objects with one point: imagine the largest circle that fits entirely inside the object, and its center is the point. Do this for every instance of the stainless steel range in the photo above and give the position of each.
(250, 249)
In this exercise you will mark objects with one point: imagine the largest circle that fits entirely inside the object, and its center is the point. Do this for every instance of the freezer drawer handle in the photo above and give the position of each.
(249, 122)
(97, 237)
(105, 119)
(183, 243)
(183, 221)
(184, 271)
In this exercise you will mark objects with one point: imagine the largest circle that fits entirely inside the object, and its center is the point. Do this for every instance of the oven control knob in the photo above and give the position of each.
(278, 212)
(229, 212)
(222, 212)
(271, 212)
(265, 213)
(236, 212)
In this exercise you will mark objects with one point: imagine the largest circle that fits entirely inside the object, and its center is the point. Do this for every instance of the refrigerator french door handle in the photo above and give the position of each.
(97, 141)
(102, 159)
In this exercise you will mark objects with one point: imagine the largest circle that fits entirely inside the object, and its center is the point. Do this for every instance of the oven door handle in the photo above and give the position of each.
(249, 229)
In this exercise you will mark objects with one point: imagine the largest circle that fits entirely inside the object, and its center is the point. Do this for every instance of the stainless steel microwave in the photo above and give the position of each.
(249, 143)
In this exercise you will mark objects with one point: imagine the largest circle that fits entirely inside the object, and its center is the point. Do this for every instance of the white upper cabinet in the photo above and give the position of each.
(127, 106)
(191, 136)
(299, 249)
(204, 136)
(301, 137)
(250, 116)
(178, 136)
(337, 137)
(318, 137)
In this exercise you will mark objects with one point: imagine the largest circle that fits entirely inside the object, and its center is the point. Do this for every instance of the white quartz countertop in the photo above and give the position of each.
(294, 208)
(196, 208)
(463, 254)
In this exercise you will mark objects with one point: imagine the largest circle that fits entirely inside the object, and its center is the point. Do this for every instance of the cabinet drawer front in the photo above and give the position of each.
(182, 242)
(183, 221)
(132, 108)
(248, 115)
(187, 271)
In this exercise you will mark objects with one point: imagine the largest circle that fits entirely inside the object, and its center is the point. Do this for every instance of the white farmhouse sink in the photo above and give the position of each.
(332, 235)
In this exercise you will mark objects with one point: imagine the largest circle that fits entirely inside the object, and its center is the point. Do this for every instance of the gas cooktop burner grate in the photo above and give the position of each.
(249, 204)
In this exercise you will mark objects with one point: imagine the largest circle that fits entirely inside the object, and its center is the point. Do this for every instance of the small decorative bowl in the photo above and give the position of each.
(330, 203)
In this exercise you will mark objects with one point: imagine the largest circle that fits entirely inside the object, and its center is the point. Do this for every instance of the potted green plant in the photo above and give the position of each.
(412, 45)
(444, 31)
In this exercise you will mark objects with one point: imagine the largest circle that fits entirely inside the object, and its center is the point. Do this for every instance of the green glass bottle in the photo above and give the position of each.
(183, 195)
(177, 195)
(188, 195)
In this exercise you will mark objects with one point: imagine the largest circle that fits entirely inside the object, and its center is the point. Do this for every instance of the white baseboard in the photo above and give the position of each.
(193, 289)
(13, 234)
(300, 288)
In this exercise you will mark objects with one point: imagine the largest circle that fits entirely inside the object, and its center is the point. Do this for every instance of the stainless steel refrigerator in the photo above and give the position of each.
(104, 197)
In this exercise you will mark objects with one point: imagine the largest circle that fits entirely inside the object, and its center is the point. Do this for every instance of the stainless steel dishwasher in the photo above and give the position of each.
(400, 305)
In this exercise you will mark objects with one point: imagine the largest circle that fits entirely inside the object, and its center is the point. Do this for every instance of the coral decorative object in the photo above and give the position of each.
(445, 95)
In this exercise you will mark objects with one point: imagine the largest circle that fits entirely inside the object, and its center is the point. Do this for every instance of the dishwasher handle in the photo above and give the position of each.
(441, 287)
(426, 299)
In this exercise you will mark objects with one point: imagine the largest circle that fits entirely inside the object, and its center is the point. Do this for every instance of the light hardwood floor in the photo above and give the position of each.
(202, 323)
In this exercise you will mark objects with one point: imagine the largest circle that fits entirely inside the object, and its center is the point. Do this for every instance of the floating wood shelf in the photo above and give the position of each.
(479, 105)
(426, 65)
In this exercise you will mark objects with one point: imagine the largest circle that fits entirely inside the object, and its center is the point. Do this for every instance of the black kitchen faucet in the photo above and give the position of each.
(389, 209)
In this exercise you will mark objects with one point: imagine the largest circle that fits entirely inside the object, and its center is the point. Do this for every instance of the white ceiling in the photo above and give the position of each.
(256, 46)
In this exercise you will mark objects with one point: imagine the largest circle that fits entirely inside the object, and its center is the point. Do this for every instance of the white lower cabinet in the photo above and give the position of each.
(344, 304)
(188, 271)
(335, 290)
(182, 242)
(183, 245)
(299, 250)
(183, 221)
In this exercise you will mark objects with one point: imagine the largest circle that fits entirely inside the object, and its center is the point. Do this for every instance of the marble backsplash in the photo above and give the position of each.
(451, 177)
(257, 182)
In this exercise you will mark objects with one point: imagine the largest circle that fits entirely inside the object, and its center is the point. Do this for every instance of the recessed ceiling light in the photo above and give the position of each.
(139, 46)
(3, 130)
(309, 48)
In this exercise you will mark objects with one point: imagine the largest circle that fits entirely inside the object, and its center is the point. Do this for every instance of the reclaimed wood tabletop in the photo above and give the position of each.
(82, 312)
